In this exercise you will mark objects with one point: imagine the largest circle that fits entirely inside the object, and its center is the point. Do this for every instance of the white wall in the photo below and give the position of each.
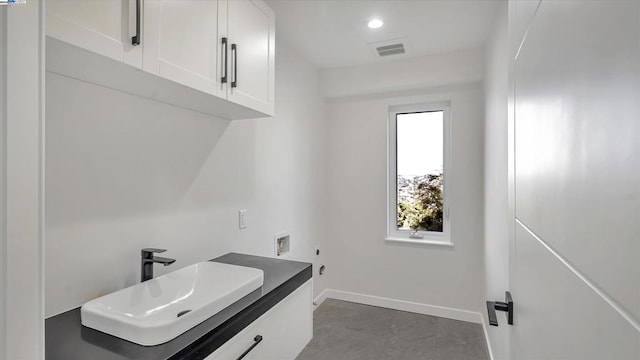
(496, 199)
(275, 168)
(125, 173)
(360, 259)
(427, 72)
(3, 184)
(22, 224)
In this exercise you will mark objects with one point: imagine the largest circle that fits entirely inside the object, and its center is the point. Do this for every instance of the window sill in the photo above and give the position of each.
(419, 241)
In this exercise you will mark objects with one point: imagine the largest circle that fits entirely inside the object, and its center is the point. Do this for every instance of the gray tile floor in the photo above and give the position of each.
(348, 331)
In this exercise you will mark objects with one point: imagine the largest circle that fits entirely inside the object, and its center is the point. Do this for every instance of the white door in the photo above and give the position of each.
(105, 27)
(251, 29)
(576, 257)
(182, 43)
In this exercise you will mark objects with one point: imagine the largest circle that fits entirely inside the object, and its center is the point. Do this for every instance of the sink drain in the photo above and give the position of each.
(182, 313)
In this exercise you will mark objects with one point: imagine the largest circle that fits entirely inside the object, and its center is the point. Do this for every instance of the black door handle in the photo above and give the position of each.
(136, 39)
(256, 341)
(506, 306)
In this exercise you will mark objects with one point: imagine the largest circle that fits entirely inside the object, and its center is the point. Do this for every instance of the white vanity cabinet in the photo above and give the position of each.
(218, 55)
(279, 334)
(105, 27)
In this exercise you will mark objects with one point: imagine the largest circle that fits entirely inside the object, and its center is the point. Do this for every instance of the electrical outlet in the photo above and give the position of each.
(242, 219)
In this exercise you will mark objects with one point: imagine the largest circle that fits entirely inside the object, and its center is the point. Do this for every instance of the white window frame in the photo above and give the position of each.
(407, 236)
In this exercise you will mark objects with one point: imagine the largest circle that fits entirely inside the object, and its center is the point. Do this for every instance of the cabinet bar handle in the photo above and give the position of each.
(224, 58)
(234, 50)
(136, 39)
(256, 341)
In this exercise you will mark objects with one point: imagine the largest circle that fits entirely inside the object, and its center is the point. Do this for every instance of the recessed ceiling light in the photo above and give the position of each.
(375, 23)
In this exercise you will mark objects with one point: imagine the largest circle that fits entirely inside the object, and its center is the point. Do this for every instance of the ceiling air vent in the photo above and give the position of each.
(396, 47)
(393, 49)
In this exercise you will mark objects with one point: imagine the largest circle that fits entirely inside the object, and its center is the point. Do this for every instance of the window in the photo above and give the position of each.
(418, 167)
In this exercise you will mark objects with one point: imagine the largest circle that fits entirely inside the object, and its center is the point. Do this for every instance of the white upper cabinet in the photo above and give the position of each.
(251, 33)
(182, 43)
(221, 47)
(218, 54)
(105, 27)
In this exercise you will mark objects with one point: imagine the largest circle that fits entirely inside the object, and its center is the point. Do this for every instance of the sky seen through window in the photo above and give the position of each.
(420, 143)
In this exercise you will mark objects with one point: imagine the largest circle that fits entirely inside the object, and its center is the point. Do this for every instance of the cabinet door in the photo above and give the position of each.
(251, 28)
(182, 43)
(104, 27)
(284, 330)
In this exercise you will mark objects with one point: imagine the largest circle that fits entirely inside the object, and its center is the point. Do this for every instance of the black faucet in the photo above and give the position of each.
(146, 271)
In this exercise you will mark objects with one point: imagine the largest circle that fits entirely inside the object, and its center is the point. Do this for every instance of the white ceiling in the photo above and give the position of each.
(333, 33)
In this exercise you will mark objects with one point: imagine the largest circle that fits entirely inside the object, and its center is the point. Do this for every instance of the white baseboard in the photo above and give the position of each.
(418, 308)
(320, 299)
(485, 330)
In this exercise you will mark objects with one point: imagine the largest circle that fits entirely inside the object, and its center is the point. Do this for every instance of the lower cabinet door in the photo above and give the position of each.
(279, 334)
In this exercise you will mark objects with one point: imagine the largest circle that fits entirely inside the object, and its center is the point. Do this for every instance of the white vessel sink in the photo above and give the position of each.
(158, 310)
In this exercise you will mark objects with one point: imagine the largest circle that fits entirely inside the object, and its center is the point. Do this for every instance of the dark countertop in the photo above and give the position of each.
(67, 339)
